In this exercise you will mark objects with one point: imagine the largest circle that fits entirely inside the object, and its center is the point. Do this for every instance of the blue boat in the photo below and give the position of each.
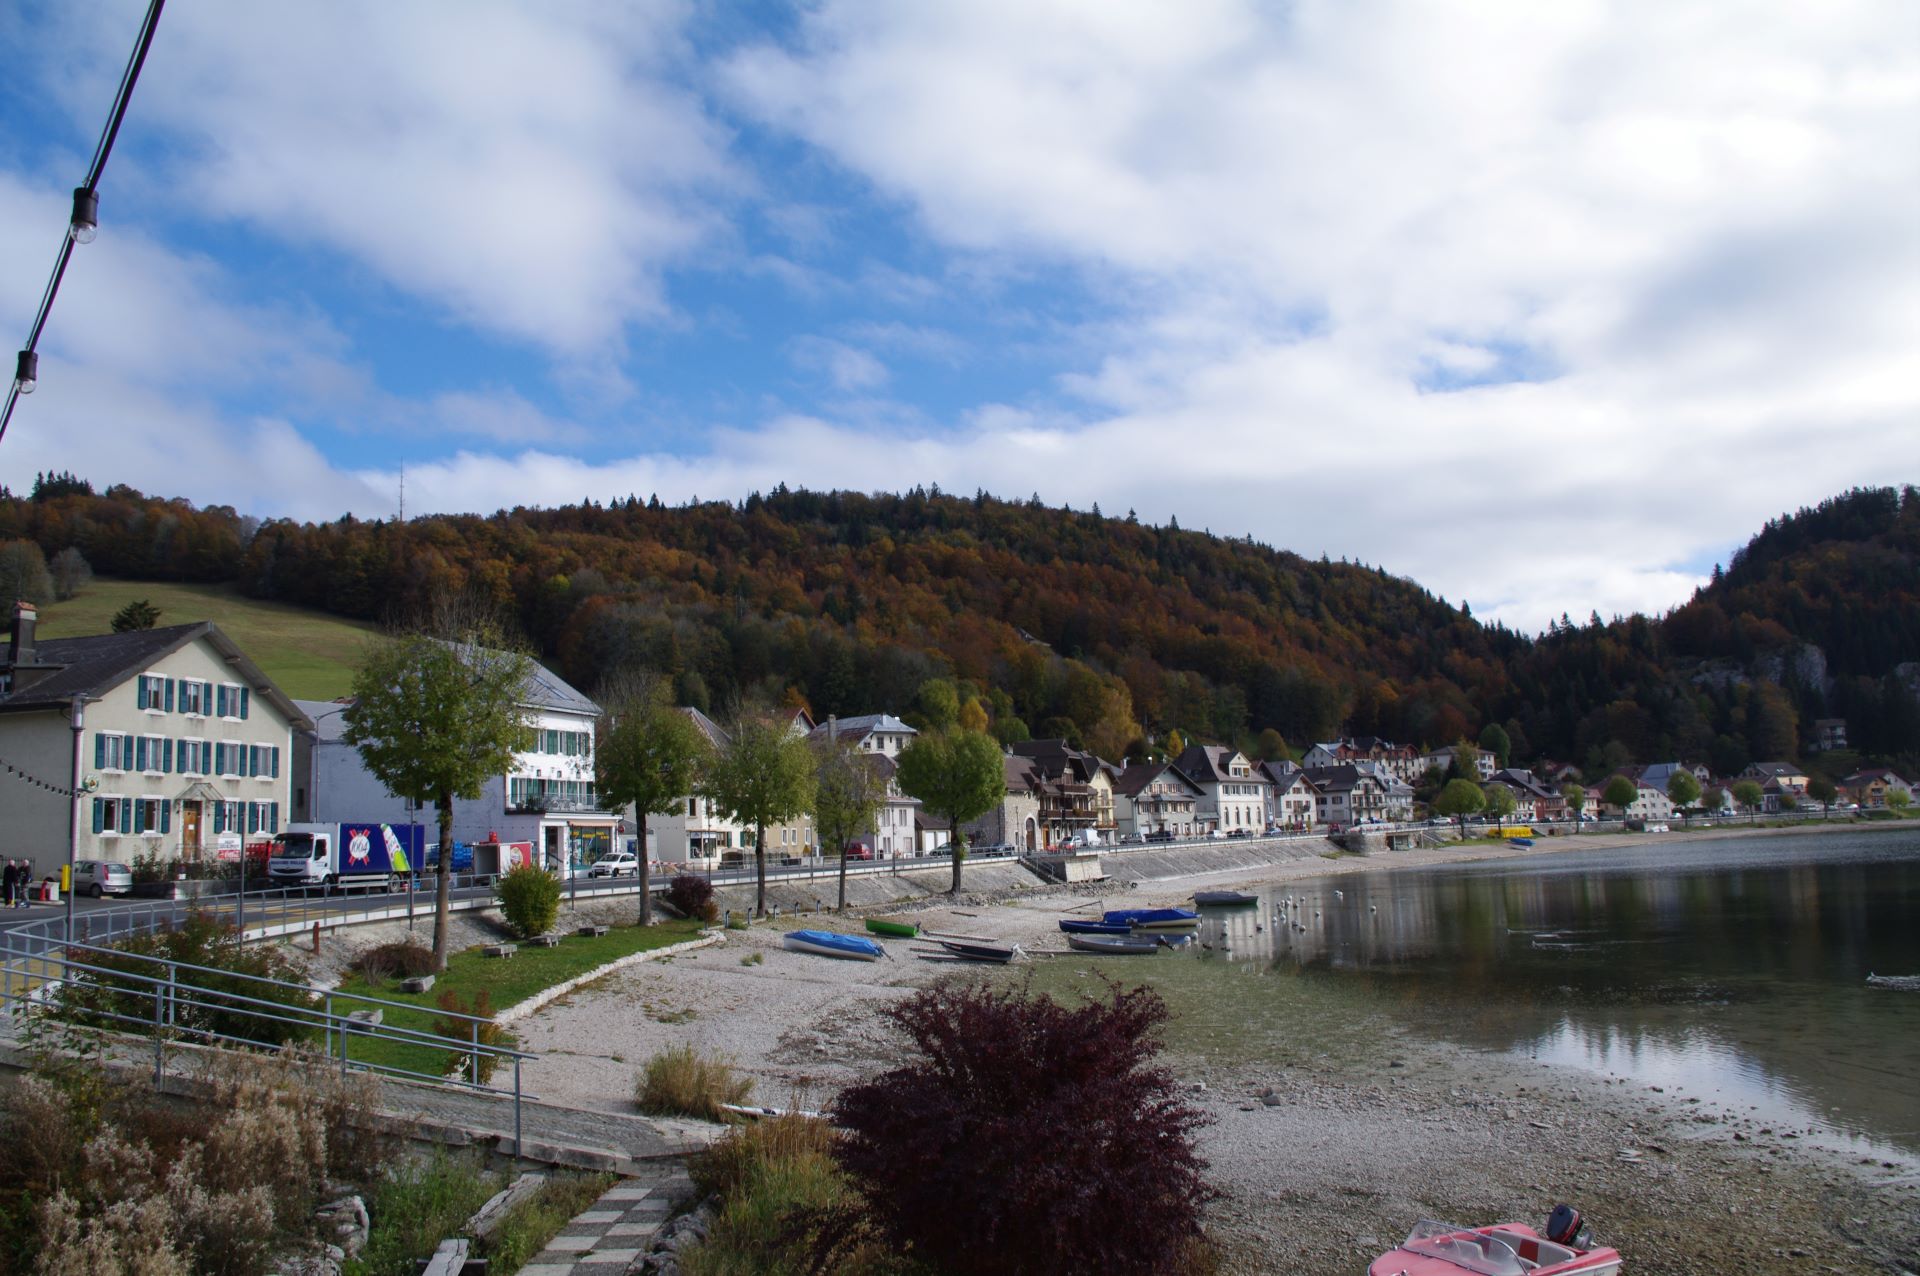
(1153, 918)
(828, 943)
(1086, 926)
(1520, 841)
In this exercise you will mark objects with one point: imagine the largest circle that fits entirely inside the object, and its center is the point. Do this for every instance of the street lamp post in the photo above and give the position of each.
(79, 718)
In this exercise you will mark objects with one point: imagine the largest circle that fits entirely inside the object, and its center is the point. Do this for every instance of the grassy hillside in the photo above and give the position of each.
(311, 655)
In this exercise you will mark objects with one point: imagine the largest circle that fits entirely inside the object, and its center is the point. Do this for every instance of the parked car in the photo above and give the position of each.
(101, 877)
(993, 851)
(1160, 835)
(859, 851)
(1240, 833)
(618, 864)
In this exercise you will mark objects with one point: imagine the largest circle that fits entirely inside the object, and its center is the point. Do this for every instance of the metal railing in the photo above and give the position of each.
(89, 986)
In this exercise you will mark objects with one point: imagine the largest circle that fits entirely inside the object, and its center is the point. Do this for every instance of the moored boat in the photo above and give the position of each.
(981, 950)
(1115, 945)
(1087, 926)
(1224, 899)
(893, 929)
(1503, 1249)
(1154, 919)
(826, 943)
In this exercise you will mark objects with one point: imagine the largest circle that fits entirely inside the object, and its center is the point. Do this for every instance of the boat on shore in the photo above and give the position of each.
(981, 950)
(1115, 945)
(892, 929)
(1899, 983)
(1504, 1249)
(1154, 919)
(1224, 899)
(1087, 926)
(827, 943)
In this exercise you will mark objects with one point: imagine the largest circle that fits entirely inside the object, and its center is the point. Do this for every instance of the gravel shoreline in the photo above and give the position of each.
(1322, 1164)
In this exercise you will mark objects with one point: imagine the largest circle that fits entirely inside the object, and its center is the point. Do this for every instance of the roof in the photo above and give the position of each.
(863, 726)
(92, 666)
(548, 690)
(1207, 763)
(708, 727)
(1134, 780)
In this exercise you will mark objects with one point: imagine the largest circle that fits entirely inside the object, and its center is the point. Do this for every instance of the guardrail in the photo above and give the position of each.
(183, 998)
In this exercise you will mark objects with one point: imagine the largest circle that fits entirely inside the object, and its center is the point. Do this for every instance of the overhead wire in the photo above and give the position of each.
(128, 78)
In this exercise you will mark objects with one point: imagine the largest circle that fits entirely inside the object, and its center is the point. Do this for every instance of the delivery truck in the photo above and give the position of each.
(379, 856)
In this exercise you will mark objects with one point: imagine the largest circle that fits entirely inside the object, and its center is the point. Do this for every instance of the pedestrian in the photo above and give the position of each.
(20, 899)
(11, 879)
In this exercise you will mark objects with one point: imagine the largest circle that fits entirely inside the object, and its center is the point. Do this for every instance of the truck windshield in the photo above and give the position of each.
(292, 846)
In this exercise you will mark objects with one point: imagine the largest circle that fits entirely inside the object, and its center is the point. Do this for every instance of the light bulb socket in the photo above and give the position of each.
(86, 214)
(26, 371)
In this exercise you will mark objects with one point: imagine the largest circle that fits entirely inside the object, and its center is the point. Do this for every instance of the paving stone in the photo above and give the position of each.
(633, 1229)
(598, 1216)
(572, 1244)
(626, 1192)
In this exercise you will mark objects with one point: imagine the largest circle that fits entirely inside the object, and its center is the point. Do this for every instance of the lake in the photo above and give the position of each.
(1732, 969)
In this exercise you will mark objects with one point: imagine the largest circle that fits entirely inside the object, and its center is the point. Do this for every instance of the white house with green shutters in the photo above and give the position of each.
(165, 742)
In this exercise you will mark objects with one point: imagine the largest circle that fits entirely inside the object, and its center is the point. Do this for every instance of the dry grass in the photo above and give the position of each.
(682, 1081)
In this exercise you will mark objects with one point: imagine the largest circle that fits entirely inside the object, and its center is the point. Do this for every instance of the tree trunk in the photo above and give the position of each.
(646, 882)
(442, 890)
(957, 842)
(842, 907)
(760, 869)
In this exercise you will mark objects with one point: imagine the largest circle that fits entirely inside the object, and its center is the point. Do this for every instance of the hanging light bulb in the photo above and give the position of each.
(26, 372)
(85, 222)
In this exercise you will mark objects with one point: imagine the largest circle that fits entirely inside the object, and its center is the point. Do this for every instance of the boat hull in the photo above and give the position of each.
(1082, 926)
(1224, 899)
(972, 950)
(1155, 918)
(826, 943)
(1502, 1247)
(895, 930)
(1115, 945)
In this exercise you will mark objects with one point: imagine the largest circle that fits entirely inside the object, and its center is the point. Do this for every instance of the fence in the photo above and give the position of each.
(173, 1001)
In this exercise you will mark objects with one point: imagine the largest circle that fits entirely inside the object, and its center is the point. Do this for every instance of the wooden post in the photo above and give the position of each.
(316, 937)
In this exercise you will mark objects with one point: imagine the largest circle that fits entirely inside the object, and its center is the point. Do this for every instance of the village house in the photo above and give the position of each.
(1015, 821)
(1156, 798)
(1533, 800)
(1075, 790)
(1650, 801)
(880, 737)
(1347, 796)
(1234, 791)
(1404, 761)
(1440, 759)
(1783, 785)
(1871, 787)
(698, 834)
(168, 743)
(1293, 803)
(546, 797)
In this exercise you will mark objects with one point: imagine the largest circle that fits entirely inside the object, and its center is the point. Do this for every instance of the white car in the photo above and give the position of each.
(618, 864)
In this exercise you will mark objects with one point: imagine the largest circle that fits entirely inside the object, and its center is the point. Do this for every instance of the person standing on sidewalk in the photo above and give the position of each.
(11, 880)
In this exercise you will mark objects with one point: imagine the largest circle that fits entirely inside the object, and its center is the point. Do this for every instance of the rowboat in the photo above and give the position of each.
(1154, 919)
(1115, 945)
(1504, 1249)
(895, 930)
(1085, 926)
(1224, 899)
(981, 950)
(826, 943)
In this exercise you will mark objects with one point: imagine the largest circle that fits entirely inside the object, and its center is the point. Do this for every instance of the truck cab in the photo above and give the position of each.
(301, 857)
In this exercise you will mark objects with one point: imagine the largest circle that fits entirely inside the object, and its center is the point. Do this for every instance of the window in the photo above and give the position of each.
(153, 754)
(154, 693)
(112, 751)
(195, 697)
(264, 761)
(193, 756)
(229, 758)
(230, 701)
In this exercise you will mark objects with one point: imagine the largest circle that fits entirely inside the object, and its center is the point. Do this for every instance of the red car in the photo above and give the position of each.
(859, 851)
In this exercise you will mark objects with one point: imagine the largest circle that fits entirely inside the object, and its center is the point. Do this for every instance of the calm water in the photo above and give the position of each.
(1732, 970)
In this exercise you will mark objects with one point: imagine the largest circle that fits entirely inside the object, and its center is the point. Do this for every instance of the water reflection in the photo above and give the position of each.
(1733, 969)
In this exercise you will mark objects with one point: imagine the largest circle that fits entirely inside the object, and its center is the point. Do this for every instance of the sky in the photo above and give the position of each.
(1547, 307)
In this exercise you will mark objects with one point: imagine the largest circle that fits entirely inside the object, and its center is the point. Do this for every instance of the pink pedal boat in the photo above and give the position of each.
(1504, 1249)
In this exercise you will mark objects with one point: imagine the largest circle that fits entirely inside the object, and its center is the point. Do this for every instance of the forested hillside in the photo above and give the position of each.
(1079, 624)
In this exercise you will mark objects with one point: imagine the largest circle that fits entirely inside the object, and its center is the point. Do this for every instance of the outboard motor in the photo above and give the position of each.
(1563, 1225)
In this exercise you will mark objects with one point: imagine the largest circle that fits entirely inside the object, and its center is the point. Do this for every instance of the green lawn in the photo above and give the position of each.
(312, 656)
(506, 981)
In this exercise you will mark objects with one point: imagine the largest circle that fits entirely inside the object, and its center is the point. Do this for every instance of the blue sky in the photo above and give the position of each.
(1545, 307)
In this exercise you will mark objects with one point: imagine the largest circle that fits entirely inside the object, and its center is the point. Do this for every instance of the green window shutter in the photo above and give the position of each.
(169, 695)
(244, 697)
(99, 814)
(99, 750)
(126, 816)
(140, 754)
(273, 817)
(219, 817)
(166, 754)
(140, 694)
(166, 817)
(276, 761)
(222, 702)
(139, 816)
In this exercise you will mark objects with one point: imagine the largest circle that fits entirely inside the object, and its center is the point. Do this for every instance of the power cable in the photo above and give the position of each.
(85, 196)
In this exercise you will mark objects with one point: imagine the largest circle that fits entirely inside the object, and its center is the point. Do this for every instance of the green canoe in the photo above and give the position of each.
(899, 930)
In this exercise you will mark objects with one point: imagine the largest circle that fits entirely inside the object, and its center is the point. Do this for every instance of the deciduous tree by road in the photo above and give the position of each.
(649, 753)
(956, 774)
(436, 713)
(848, 789)
(762, 775)
(1460, 799)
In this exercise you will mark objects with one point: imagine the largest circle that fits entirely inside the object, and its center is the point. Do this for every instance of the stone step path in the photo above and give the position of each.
(610, 1238)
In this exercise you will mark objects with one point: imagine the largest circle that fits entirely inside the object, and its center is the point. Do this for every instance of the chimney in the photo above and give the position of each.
(20, 647)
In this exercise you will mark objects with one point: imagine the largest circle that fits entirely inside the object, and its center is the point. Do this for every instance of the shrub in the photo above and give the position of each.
(691, 896)
(785, 1207)
(1027, 1136)
(414, 1206)
(529, 899)
(401, 959)
(728, 1166)
(151, 866)
(120, 997)
(466, 1033)
(534, 1222)
(681, 1081)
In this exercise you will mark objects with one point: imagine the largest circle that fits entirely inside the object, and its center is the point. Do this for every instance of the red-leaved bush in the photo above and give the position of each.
(691, 896)
(1028, 1136)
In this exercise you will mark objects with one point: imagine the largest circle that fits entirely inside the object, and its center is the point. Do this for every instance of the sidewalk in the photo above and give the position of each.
(609, 1238)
